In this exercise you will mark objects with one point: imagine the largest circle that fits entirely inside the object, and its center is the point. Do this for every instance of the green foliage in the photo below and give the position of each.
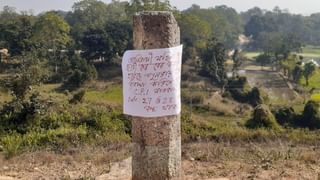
(19, 115)
(225, 24)
(258, 24)
(286, 116)
(11, 145)
(189, 97)
(214, 58)
(263, 118)
(297, 73)
(308, 70)
(81, 73)
(78, 97)
(311, 115)
(112, 95)
(194, 34)
(108, 43)
(264, 59)
(147, 5)
(51, 32)
(242, 92)
(16, 32)
(316, 97)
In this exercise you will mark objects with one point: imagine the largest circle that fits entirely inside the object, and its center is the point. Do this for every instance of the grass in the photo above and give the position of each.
(307, 52)
(310, 52)
(251, 54)
(314, 80)
(316, 97)
(112, 96)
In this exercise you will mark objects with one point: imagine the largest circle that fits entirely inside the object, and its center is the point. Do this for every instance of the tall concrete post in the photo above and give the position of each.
(156, 141)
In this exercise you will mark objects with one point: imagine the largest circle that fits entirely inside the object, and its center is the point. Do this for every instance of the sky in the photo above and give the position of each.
(304, 7)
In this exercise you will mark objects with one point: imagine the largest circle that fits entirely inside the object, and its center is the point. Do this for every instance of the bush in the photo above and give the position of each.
(82, 73)
(311, 115)
(263, 118)
(78, 97)
(256, 97)
(285, 116)
(193, 97)
(19, 115)
(240, 90)
(11, 144)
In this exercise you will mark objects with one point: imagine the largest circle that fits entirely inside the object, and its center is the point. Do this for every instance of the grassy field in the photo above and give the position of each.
(314, 80)
(310, 52)
(307, 52)
(251, 55)
(316, 97)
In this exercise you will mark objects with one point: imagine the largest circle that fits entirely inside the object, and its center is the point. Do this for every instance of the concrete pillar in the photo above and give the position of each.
(156, 141)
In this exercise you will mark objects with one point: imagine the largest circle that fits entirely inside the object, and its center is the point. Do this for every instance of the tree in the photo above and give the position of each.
(237, 61)
(297, 73)
(15, 31)
(85, 15)
(311, 115)
(213, 62)
(81, 73)
(225, 24)
(108, 42)
(308, 70)
(258, 24)
(194, 34)
(264, 59)
(148, 5)
(51, 32)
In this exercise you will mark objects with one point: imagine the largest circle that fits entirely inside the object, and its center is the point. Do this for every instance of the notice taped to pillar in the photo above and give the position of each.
(151, 82)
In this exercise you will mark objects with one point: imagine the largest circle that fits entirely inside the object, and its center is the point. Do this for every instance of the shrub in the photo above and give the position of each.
(78, 97)
(82, 73)
(257, 96)
(285, 116)
(193, 97)
(263, 118)
(18, 115)
(311, 115)
(240, 90)
(11, 144)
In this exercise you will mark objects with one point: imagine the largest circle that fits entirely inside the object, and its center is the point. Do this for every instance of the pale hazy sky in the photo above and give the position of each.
(295, 6)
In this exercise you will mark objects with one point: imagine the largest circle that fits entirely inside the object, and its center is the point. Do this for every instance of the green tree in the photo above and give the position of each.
(225, 23)
(51, 32)
(311, 115)
(108, 42)
(297, 73)
(194, 34)
(15, 31)
(264, 59)
(148, 5)
(86, 14)
(237, 61)
(214, 58)
(258, 24)
(81, 73)
(308, 70)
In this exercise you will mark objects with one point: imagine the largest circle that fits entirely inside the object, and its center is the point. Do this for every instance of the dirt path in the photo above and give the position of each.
(200, 161)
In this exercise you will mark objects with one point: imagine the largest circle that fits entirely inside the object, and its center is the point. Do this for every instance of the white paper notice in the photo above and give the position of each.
(151, 82)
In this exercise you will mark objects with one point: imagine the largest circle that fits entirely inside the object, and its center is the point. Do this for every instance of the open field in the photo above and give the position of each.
(314, 80)
(316, 97)
(307, 52)
(310, 52)
(251, 55)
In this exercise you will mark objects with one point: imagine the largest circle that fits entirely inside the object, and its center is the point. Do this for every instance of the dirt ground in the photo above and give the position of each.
(200, 161)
